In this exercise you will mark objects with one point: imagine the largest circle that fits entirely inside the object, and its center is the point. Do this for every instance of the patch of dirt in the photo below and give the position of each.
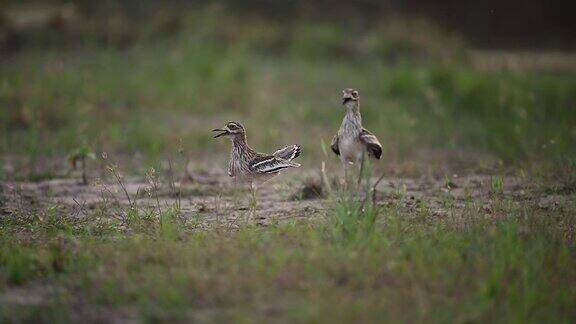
(29, 295)
(212, 196)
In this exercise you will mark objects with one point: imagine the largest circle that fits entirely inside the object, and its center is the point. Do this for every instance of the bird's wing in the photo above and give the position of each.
(270, 164)
(289, 152)
(372, 144)
(334, 145)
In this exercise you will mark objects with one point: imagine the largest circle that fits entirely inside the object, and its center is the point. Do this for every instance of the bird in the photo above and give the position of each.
(353, 141)
(249, 166)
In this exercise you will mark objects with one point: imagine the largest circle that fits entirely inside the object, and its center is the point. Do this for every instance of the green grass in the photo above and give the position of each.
(515, 264)
(145, 98)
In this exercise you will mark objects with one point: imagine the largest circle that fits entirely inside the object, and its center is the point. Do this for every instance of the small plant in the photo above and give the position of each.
(187, 176)
(175, 191)
(352, 221)
(154, 185)
(355, 213)
(125, 215)
(496, 186)
(112, 168)
(448, 183)
(78, 159)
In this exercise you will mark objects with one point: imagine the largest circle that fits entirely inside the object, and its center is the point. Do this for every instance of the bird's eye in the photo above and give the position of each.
(232, 126)
(355, 93)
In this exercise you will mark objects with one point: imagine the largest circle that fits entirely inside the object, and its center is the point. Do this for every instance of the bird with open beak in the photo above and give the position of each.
(249, 166)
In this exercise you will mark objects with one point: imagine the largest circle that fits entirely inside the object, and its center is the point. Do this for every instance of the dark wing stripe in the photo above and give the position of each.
(272, 164)
(372, 144)
(334, 145)
(276, 169)
(296, 152)
(269, 160)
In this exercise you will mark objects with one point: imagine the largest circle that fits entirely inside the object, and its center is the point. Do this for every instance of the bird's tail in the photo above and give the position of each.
(288, 153)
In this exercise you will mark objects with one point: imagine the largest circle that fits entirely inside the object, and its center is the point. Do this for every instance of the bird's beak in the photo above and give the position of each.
(223, 130)
(345, 98)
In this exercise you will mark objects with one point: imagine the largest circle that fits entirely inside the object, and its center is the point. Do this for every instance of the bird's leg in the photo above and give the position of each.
(360, 174)
(348, 182)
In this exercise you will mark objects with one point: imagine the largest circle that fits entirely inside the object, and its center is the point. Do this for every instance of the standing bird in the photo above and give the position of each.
(353, 141)
(249, 166)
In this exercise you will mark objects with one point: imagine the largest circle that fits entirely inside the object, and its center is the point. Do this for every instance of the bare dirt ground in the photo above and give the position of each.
(212, 197)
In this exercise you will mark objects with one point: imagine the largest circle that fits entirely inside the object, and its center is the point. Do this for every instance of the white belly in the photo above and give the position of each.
(351, 150)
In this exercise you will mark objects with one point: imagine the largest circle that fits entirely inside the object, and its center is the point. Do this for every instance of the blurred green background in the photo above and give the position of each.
(147, 78)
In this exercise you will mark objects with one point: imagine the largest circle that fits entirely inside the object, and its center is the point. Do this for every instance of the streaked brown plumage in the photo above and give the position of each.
(249, 166)
(353, 140)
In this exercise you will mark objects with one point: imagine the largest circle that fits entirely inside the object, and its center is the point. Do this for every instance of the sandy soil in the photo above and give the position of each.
(211, 196)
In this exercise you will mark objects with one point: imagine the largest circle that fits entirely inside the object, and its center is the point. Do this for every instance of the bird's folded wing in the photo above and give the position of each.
(271, 164)
(372, 144)
(334, 145)
(289, 152)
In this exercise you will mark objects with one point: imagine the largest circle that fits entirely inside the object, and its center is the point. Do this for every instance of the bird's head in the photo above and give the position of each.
(349, 95)
(231, 129)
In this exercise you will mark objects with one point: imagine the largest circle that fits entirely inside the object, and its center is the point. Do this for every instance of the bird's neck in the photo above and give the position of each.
(353, 113)
(240, 145)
